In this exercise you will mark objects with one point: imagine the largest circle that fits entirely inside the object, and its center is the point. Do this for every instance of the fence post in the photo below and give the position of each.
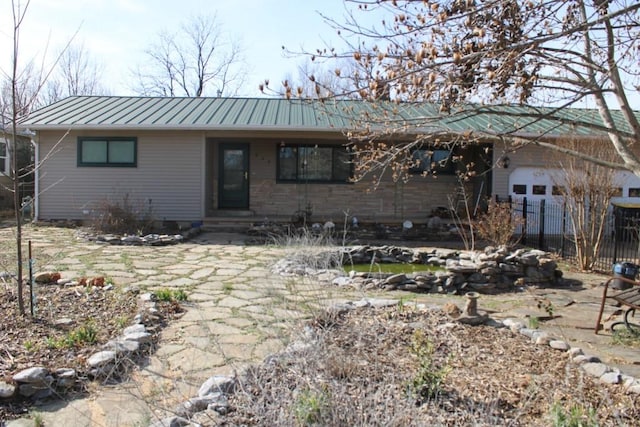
(616, 225)
(564, 227)
(524, 221)
(541, 217)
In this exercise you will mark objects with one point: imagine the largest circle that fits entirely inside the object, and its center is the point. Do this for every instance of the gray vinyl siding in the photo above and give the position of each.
(528, 156)
(168, 177)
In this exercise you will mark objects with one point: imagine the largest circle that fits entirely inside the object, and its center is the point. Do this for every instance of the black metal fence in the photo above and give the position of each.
(548, 226)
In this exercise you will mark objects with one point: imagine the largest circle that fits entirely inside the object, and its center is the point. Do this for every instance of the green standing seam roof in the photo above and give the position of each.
(277, 114)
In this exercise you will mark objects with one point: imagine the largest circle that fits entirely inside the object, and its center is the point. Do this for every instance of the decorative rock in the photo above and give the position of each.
(36, 374)
(452, 310)
(395, 279)
(132, 240)
(461, 266)
(559, 345)
(584, 358)
(528, 332)
(575, 351)
(140, 337)
(217, 384)
(510, 268)
(477, 278)
(101, 358)
(133, 289)
(172, 422)
(134, 328)
(611, 378)
(148, 297)
(530, 259)
(541, 338)
(122, 346)
(47, 277)
(29, 390)
(478, 319)
(509, 323)
(65, 373)
(494, 323)
(482, 287)
(65, 323)
(595, 369)
(198, 404)
(220, 405)
(6, 390)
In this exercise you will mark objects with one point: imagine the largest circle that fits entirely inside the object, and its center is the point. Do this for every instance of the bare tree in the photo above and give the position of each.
(19, 106)
(199, 60)
(77, 73)
(315, 80)
(472, 58)
(19, 95)
(586, 189)
(25, 87)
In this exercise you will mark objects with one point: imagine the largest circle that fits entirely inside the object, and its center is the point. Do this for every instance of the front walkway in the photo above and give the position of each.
(238, 313)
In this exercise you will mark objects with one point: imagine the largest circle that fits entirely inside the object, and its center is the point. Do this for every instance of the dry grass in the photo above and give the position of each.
(368, 367)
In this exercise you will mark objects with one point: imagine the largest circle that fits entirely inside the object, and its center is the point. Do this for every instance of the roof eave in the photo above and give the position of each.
(136, 127)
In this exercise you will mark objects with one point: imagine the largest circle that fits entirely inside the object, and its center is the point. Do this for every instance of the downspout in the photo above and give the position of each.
(36, 180)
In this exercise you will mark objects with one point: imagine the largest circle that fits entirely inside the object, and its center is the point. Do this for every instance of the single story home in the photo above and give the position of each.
(220, 159)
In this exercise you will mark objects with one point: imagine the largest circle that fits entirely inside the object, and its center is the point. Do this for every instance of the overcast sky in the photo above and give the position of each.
(116, 32)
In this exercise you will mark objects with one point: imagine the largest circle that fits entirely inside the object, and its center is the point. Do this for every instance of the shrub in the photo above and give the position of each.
(86, 333)
(498, 224)
(123, 217)
(575, 416)
(429, 378)
(308, 407)
(169, 295)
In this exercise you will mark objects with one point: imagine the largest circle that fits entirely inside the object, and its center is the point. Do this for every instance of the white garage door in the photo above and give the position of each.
(543, 184)
(537, 184)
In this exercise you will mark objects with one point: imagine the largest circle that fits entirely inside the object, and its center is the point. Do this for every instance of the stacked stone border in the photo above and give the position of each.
(109, 364)
(214, 392)
(495, 269)
(147, 240)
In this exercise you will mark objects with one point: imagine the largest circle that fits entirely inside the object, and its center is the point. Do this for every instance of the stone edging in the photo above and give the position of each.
(495, 269)
(113, 360)
(213, 393)
(147, 240)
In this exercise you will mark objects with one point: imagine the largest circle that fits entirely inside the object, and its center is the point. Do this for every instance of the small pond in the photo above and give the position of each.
(394, 268)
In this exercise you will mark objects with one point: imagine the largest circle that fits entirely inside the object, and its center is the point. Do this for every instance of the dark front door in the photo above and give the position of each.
(233, 188)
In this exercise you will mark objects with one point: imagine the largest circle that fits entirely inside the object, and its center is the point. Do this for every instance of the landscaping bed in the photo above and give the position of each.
(70, 324)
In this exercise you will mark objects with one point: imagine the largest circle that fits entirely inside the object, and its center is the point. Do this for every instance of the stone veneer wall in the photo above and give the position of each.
(413, 200)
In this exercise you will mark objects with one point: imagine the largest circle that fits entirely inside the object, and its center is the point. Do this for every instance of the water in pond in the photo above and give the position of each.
(391, 268)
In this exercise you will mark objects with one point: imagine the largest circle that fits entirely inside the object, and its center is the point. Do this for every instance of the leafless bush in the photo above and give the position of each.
(498, 224)
(124, 216)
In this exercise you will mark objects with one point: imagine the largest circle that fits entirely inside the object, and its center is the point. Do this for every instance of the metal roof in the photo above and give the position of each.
(116, 112)
(277, 114)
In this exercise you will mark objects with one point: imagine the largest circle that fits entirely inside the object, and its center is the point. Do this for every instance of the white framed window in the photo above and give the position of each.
(4, 157)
